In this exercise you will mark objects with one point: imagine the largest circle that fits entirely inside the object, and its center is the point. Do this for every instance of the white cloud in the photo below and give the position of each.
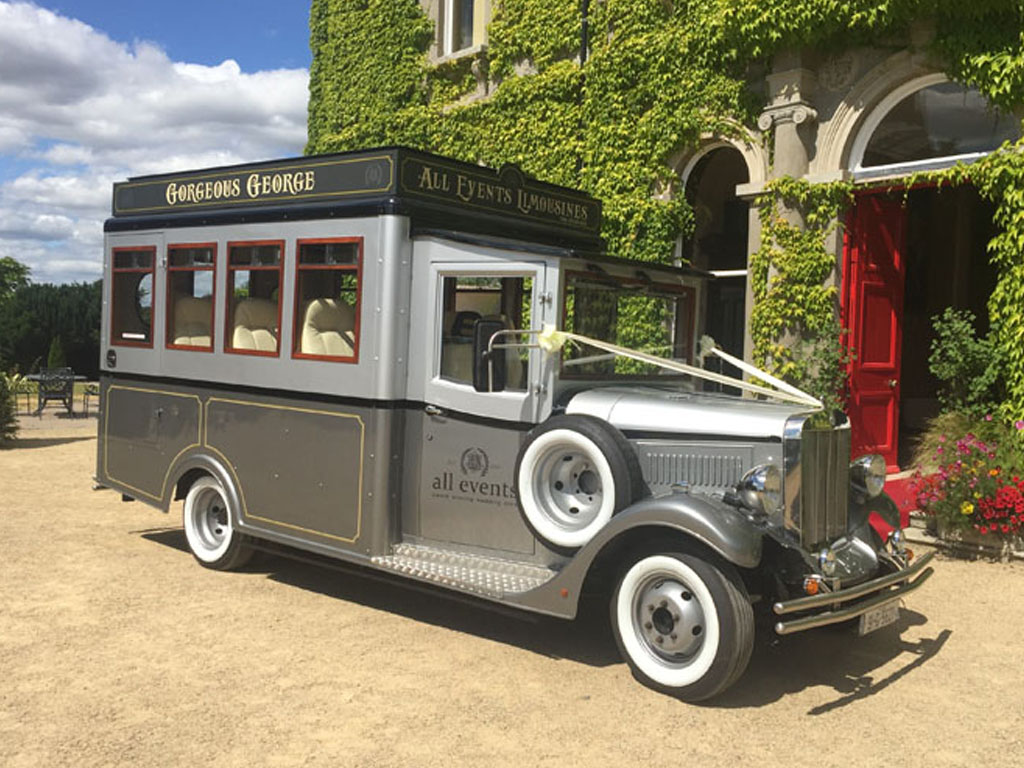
(83, 111)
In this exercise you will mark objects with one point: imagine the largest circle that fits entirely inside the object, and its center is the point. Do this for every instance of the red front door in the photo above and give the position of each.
(874, 275)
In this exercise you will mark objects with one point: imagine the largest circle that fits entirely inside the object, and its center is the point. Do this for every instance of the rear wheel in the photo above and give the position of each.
(208, 528)
(684, 625)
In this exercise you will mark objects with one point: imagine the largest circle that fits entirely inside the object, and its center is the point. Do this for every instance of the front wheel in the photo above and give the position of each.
(208, 528)
(684, 625)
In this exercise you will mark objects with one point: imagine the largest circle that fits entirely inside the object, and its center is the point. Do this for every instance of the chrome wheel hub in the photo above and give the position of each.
(669, 618)
(572, 486)
(211, 519)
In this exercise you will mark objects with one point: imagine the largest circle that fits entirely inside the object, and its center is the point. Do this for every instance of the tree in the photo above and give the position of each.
(36, 313)
(56, 358)
(13, 275)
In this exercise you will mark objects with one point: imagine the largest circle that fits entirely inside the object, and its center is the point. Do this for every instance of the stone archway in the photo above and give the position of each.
(720, 241)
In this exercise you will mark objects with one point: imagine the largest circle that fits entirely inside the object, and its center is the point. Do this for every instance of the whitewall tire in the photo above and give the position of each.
(209, 529)
(573, 473)
(684, 625)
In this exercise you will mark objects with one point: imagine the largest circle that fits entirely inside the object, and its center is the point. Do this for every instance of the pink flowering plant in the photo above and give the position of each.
(979, 480)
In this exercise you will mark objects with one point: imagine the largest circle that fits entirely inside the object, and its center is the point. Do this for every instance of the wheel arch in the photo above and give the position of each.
(199, 464)
(696, 521)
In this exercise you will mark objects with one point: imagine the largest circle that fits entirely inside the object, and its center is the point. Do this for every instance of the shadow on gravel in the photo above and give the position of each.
(587, 640)
(25, 443)
(831, 656)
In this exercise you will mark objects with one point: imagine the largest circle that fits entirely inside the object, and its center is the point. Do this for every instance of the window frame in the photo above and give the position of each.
(168, 320)
(114, 271)
(296, 290)
(229, 288)
(682, 289)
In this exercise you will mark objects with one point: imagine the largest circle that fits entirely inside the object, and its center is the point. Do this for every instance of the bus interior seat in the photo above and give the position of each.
(255, 325)
(328, 328)
(457, 346)
(513, 363)
(192, 321)
(457, 351)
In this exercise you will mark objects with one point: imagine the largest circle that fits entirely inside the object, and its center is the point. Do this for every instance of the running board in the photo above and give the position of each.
(489, 576)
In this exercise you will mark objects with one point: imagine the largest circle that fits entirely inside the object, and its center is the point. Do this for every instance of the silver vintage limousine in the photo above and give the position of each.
(427, 368)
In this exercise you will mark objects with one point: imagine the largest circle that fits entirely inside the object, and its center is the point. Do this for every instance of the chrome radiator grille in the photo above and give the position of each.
(704, 466)
(824, 484)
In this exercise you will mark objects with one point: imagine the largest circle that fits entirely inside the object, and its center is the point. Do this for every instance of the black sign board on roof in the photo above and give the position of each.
(360, 176)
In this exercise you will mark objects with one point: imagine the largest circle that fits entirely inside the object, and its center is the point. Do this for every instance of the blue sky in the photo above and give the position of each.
(258, 34)
(92, 92)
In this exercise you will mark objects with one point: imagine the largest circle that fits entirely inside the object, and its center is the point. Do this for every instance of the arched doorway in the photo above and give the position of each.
(719, 242)
(909, 255)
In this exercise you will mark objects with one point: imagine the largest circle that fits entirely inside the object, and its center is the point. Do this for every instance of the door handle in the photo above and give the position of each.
(432, 410)
(892, 383)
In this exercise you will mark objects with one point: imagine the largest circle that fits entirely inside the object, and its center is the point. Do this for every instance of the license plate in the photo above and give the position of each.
(879, 617)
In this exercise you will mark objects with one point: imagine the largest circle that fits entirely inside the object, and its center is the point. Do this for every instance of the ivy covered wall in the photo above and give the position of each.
(659, 75)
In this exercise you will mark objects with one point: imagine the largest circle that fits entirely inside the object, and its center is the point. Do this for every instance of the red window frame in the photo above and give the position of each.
(230, 289)
(171, 270)
(299, 268)
(115, 270)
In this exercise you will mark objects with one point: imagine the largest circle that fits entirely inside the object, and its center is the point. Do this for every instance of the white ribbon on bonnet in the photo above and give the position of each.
(551, 341)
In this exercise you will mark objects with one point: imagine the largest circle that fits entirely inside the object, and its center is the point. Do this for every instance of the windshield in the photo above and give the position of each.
(657, 318)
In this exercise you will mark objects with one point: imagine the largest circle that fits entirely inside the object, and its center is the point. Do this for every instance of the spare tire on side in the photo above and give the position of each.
(572, 474)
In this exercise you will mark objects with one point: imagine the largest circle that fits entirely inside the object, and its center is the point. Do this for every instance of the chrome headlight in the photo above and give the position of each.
(761, 489)
(867, 475)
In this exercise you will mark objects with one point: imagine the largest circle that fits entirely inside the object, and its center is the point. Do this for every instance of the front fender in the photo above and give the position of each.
(710, 521)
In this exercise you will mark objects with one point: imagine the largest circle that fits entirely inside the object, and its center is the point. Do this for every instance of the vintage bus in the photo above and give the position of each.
(424, 367)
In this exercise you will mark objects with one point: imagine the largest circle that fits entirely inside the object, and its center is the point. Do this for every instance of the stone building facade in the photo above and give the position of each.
(874, 115)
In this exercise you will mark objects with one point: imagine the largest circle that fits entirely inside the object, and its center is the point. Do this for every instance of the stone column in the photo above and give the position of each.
(792, 121)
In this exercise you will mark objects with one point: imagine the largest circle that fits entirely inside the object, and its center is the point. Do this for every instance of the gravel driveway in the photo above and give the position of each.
(116, 648)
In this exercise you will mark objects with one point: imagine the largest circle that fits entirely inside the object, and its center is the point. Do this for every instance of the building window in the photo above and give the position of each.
(468, 299)
(462, 24)
(132, 297)
(254, 298)
(191, 271)
(944, 120)
(327, 293)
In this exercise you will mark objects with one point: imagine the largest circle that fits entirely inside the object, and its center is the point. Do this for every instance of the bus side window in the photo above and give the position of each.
(190, 281)
(132, 296)
(471, 298)
(254, 298)
(327, 294)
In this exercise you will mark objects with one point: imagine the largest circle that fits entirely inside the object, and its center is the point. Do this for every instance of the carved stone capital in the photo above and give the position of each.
(797, 113)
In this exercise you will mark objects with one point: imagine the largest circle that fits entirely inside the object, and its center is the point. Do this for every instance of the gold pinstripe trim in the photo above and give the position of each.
(241, 491)
(106, 436)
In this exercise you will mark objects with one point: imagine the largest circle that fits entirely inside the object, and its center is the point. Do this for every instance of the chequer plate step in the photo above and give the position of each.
(489, 576)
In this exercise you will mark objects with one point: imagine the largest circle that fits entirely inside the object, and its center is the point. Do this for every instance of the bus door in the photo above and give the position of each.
(469, 439)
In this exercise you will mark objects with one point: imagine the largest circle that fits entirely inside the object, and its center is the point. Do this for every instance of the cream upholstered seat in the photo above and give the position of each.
(328, 328)
(255, 325)
(513, 364)
(191, 321)
(457, 346)
(457, 358)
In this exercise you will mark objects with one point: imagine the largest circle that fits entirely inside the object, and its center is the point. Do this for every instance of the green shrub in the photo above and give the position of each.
(968, 368)
(8, 408)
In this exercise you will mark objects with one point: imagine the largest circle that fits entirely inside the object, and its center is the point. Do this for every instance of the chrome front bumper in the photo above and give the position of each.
(883, 590)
